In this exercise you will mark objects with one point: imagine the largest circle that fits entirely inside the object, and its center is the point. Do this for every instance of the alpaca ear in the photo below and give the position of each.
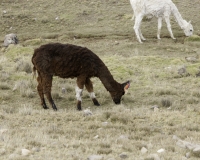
(126, 86)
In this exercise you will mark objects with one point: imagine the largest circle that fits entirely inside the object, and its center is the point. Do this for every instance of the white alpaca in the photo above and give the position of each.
(160, 9)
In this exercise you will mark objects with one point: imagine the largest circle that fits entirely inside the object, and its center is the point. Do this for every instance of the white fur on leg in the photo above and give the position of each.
(78, 93)
(159, 26)
(92, 95)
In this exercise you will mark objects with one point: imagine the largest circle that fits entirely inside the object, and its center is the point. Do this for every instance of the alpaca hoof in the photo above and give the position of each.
(96, 103)
(45, 106)
(79, 106)
(54, 107)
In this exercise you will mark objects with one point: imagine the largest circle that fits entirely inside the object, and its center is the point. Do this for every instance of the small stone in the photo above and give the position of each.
(3, 131)
(104, 123)
(196, 151)
(187, 155)
(155, 106)
(25, 152)
(64, 90)
(10, 39)
(123, 156)
(144, 150)
(149, 146)
(2, 151)
(87, 112)
(95, 137)
(191, 59)
(161, 150)
(123, 137)
(154, 157)
(35, 149)
(116, 42)
(183, 158)
(95, 157)
(156, 109)
(182, 70)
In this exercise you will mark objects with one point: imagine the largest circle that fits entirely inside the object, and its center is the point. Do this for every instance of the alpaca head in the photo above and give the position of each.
(188, 29)
(117, 95)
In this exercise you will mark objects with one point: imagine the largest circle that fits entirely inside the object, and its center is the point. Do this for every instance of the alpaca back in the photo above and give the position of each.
(155, 8)
(66, 60)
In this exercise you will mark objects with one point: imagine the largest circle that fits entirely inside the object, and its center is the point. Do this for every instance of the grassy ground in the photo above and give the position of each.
(111, 131)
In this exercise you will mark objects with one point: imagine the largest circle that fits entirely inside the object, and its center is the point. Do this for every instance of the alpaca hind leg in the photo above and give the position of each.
(167, 20)
(47, 84)
(40, 92)
(159, 27)
(89, 87)
(136, 27)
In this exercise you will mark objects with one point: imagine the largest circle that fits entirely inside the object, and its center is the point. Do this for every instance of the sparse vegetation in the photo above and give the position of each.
(161, 101)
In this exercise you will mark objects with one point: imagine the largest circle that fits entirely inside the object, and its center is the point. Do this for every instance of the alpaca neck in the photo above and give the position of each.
(181, 22)
(107, 79)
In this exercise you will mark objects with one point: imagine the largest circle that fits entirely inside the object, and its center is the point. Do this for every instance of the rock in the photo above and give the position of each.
(154, 157)
(35, 149)
(95, 137)
(2, 151)
(123, 155)
(123, 137)
(87, 112)
(104, 123)
(3, 131)
(149, 146)
(161, 150)
(183, 158)
(64, 90)
(182, 70)
(95, 157)
(155, 106)
(156, 109)
(144, 150)
(196, 151)
(14, 156)
(10, 39)
(25, 152)
(187, 155)
(191, 59)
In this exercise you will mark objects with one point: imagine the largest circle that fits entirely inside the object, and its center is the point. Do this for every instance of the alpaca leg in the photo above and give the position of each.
(136, 27)
(47, 84)
(40, 92)
(89, 87)
(167, 20)
(159, 26)
(79, 89)
(142, 37)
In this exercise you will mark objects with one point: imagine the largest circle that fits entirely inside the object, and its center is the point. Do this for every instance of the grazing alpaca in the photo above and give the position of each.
(160, 9)
(69, 61)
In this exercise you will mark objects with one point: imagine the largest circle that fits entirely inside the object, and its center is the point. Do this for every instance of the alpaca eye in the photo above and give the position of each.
(191, 30)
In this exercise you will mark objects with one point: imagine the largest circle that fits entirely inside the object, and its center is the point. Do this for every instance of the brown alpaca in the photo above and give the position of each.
(69, 61)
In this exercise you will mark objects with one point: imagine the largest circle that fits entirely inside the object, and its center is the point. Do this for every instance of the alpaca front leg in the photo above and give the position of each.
(169, 26)
(142, 37)
(89, 87)
(93, 97)
(159, 27)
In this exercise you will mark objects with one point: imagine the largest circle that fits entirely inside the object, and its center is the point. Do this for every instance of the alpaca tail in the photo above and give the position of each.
(133, 18)
(34, 72)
